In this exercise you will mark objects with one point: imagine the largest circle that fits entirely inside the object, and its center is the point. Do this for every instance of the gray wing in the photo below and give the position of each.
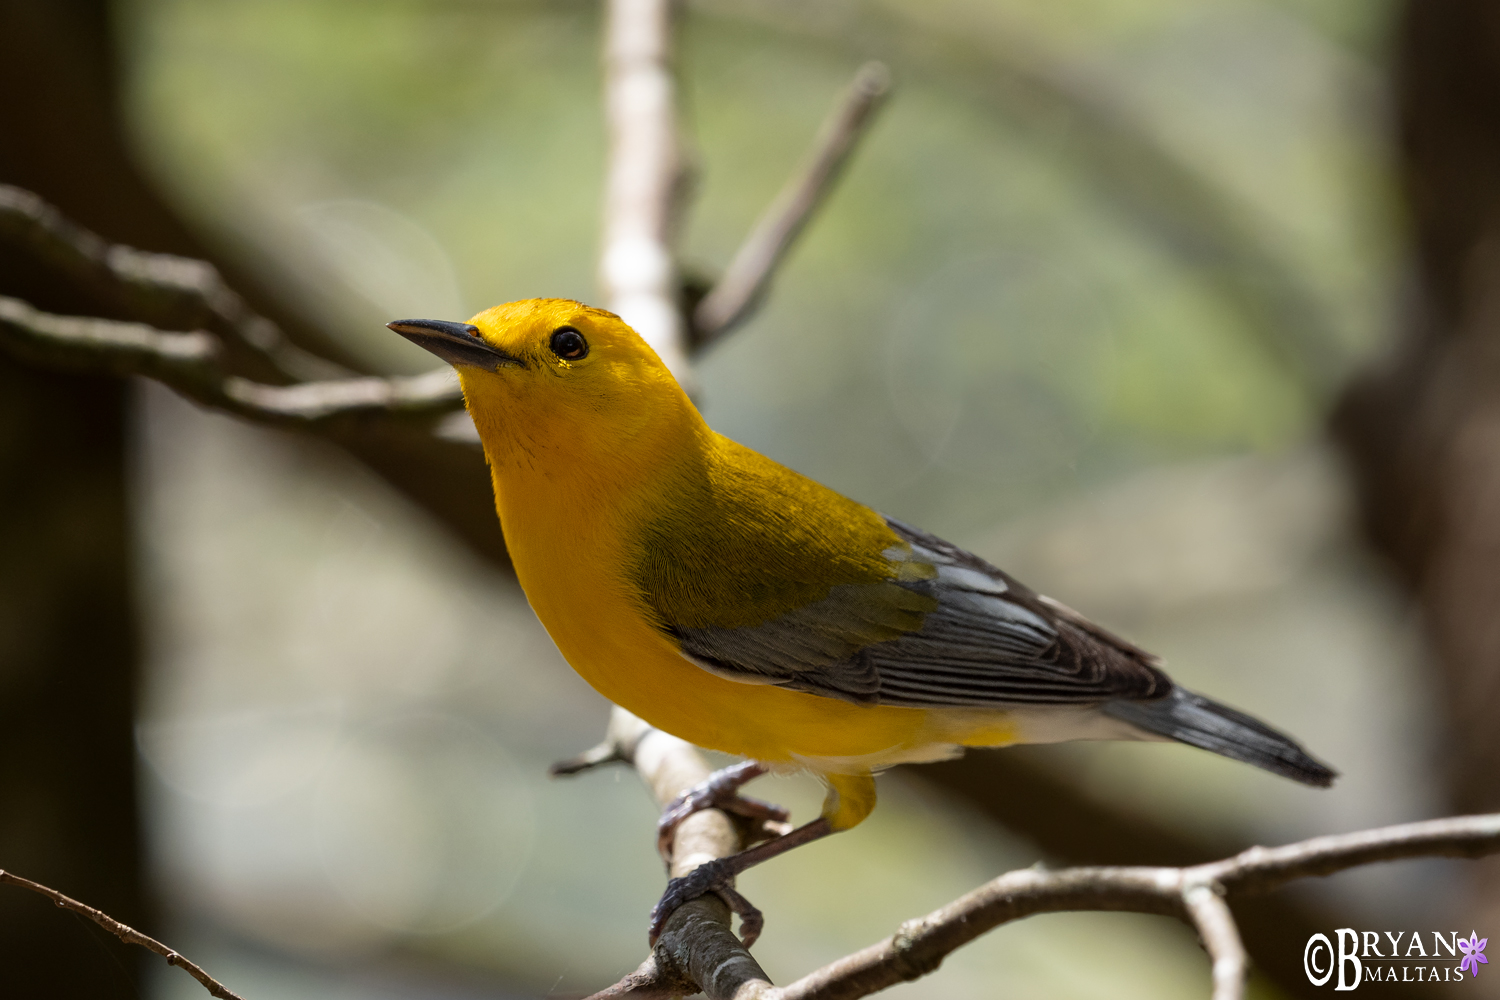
(961, 633)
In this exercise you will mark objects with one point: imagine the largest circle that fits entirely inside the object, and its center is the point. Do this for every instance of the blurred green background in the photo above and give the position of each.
(1080, 304)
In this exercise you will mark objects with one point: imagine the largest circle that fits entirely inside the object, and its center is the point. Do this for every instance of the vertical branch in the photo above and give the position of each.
(1209, 913)
(637, 268)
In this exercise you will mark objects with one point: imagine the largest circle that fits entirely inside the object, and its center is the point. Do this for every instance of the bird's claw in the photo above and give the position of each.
(721, 791)
(715, 877)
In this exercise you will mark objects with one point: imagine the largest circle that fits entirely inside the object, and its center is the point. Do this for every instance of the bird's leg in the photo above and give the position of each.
(720, 790)
(717, 877)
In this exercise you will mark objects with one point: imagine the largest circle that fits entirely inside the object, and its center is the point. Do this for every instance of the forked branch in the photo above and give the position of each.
(191, 364)
(158, 288)
(204, 364)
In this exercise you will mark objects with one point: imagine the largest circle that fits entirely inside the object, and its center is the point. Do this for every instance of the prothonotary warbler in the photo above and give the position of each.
(730, 601)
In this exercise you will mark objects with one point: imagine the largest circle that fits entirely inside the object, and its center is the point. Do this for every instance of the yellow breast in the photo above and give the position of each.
(575, 582)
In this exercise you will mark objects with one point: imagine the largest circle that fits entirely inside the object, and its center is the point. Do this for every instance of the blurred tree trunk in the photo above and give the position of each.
(1423, 430)
(69, 652)
(68, 666)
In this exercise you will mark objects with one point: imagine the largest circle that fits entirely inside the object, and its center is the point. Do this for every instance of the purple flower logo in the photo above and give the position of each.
(1473, 950)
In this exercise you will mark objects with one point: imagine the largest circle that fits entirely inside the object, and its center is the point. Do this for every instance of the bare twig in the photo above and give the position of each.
(160, 288)
(125, 933)
(191, 364)
(1261, 869)
(743, 285)
(1209, 913)
(608, 752)
(644, 177)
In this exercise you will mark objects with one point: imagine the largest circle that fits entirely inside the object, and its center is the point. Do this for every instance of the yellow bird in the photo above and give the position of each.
(738, 605)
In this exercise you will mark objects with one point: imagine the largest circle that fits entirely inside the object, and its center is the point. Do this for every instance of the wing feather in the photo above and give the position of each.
(947, 630)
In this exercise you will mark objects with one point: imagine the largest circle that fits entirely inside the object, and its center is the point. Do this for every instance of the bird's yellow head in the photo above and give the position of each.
(554, 379)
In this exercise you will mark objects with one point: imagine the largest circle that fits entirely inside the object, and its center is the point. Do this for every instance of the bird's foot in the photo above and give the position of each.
(720, 790)
(715, 877)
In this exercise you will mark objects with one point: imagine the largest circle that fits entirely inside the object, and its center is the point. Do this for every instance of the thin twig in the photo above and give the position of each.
(643, 177)
(1261, 869)
(161, 288)
(190, 363)
(125, 933)
(742, 287)
(608, 752)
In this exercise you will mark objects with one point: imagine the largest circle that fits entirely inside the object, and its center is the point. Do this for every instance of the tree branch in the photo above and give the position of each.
(1195, 894)
(125, 933)
(742, 287)
(163, 288)
(921, 944)
(191, 364)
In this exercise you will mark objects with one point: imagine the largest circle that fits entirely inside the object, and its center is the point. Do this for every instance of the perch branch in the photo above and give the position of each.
(191, 364)
(696, 949)
(125, 933)
(742, 287)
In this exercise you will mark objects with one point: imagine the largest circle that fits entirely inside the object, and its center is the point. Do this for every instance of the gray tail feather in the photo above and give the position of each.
(1197, 721)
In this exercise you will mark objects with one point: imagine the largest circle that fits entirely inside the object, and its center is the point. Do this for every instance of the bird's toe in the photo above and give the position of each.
(715, 877)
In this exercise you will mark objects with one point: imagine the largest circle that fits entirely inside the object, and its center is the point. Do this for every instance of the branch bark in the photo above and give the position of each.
(697, 949)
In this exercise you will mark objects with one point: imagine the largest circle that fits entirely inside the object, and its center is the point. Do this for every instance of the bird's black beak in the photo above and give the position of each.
(455, 343)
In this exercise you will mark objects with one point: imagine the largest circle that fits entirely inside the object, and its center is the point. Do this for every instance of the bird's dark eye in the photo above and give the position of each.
(568, 344)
